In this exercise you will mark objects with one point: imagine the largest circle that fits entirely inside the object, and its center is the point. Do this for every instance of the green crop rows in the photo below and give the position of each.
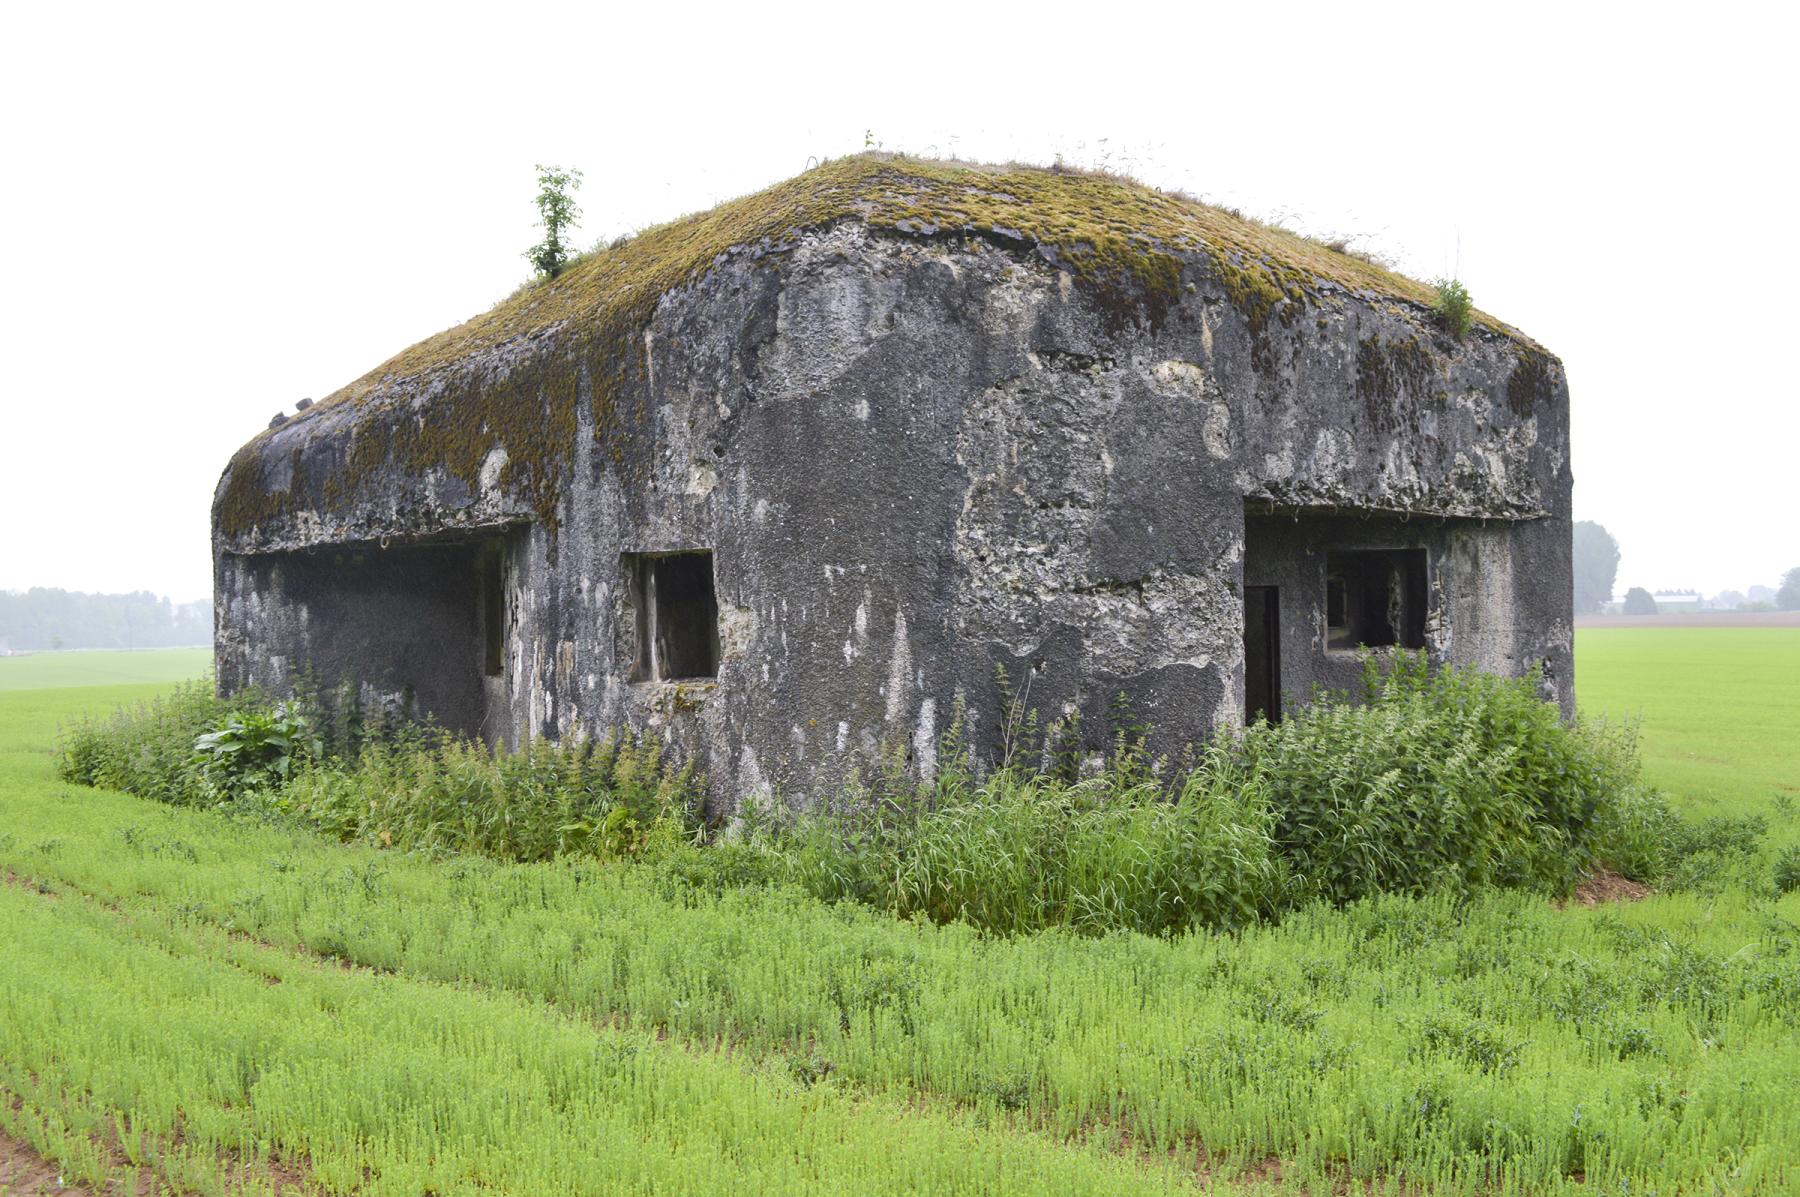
(207, 995)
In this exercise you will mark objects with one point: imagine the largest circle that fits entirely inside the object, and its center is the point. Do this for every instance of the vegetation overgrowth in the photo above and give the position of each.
(253, 1059)
(1433, 779)
(557, 213)
(1095, 221)
(1490, 1041)
(377, 776)
(1453, 307)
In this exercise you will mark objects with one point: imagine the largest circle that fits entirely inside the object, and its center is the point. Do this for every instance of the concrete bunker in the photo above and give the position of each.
(783, 483)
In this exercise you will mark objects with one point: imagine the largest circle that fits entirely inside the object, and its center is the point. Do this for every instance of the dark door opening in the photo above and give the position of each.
(1262, 654)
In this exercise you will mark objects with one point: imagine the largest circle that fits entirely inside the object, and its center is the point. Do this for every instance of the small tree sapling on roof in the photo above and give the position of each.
(557, 211)
(1454, 309)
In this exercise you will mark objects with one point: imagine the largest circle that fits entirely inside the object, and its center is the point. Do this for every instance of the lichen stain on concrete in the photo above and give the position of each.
(492, 467)
(737, 631)
(899, 669)
(1193, 383)
(925, 740)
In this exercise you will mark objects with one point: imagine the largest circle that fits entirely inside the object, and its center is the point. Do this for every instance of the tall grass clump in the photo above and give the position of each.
(432, 791)
(148, 749)
(361, 771)
(1446, 778)
(1429, 780)
(1019, 852)
(1636, 832)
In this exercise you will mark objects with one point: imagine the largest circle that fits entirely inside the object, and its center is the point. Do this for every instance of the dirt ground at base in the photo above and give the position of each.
(25, 1173)
(1602, 885)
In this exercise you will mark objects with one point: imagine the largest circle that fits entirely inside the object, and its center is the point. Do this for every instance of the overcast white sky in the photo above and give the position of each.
(208, 213)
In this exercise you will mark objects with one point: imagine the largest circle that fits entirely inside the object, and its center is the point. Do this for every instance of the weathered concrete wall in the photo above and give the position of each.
(915, 458)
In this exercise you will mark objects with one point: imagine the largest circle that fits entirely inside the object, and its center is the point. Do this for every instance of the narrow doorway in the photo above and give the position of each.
(1262, 654)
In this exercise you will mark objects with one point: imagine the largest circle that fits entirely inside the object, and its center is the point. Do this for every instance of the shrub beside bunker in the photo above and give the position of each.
(1429, 780)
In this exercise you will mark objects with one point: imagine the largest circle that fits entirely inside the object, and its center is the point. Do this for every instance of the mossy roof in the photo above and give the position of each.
(1126, 241)
(1091, 221)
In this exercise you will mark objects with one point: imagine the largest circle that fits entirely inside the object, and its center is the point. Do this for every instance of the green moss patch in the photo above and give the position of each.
(1388, 373)
(1532, 382)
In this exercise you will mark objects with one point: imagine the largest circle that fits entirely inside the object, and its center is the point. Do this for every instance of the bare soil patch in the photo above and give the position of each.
(1602, 886)
(25, 1173)
(1266, 1172)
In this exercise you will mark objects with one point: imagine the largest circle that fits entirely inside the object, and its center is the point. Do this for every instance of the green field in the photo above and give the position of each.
(140, 668)
(1720, 708)
(199, 1001)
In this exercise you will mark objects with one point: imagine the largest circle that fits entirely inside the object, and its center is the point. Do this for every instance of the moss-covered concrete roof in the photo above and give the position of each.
(1126, 242)
(1095, 222)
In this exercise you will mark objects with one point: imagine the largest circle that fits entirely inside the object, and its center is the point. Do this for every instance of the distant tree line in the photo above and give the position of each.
(1596, 567)
(42, 618)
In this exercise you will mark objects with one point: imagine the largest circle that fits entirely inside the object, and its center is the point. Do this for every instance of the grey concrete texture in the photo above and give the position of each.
(915, 458)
